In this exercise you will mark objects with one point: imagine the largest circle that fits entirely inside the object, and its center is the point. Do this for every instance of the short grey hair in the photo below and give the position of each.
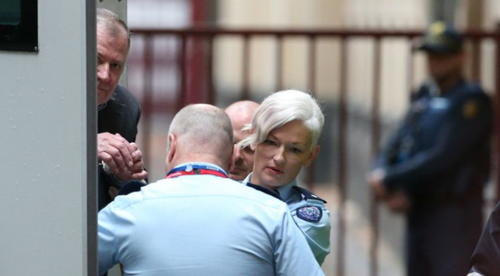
(203, 129)
(281, 108)
(113, 24)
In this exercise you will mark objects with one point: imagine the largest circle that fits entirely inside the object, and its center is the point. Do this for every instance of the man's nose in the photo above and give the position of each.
(234, 157)
(237, 152)
(103, 72)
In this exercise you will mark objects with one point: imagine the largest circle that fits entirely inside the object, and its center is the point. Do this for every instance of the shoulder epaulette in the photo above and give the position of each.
(265, 190)
(307, 194)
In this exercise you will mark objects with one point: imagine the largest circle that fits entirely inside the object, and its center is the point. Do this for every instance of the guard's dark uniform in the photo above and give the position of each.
(440, 157)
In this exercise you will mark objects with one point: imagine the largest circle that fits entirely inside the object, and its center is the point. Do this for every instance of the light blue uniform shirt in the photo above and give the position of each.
(310, 215)
(196, 225)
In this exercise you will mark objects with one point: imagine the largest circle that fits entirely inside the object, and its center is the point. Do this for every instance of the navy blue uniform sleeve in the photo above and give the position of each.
(457, 138)
(486, 256)
(388, 154)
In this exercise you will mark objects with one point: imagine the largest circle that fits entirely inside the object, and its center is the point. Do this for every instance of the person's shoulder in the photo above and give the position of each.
(471, 89)
(123, 96)
(308, 195)
(472, 93)
(310, 208)
(251, 194)
(141, 194)
(122, 202)
(122, 91)
(470, 102)
(424, 91)
(209, 186)
(264, 190)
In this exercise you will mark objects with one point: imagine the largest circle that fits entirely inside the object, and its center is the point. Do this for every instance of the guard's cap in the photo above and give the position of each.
(441, 38)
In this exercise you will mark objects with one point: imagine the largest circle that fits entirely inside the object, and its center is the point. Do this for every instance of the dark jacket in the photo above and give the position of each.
(442, 149)
(121, 115)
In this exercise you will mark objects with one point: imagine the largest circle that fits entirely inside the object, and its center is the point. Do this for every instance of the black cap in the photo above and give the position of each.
(441, 38)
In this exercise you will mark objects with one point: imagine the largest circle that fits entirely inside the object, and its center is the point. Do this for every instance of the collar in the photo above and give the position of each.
(102, 106)
(285, 191)
(247, 179)
(435, 91)
(193, 168)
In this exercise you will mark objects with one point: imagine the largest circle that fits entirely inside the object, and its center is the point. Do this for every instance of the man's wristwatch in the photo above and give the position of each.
(107, 170)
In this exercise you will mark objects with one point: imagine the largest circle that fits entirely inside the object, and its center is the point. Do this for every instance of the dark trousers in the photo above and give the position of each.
(441, 237)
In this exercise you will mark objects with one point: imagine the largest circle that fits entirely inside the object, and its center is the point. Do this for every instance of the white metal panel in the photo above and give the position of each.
(43, 161)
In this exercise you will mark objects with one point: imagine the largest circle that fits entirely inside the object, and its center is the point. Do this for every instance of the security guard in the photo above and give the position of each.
(436, 164)
(285, 129)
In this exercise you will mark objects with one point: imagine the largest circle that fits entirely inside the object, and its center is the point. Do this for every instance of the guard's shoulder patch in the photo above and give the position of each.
(310, 213)
(470, 109)
(307, 194)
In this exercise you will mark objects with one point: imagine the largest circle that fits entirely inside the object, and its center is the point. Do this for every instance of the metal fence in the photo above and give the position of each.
(187, 54)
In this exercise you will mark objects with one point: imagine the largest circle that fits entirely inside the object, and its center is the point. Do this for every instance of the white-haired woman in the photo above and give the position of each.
(285, 130)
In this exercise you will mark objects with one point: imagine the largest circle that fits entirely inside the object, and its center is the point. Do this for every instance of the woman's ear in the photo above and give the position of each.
(312, 156)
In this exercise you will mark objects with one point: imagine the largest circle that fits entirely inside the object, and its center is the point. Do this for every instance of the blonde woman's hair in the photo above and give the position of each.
(281, 108)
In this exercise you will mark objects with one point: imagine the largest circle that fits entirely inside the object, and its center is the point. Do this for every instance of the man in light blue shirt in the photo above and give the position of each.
(197, 221)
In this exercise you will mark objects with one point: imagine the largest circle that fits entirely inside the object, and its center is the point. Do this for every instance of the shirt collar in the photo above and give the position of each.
(285, 191)
(200, 164)
(102, 106)
(247, 179)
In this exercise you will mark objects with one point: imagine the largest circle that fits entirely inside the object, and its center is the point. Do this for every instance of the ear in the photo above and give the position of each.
(312, 156)
(172, 140)
(231, 157)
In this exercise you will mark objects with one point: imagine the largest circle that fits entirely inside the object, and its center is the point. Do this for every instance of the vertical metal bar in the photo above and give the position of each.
(90, 259)
(311, 79)
(497, 108)
(375, 129)
(476, 61)
(246, 68)
(147, 107)
(212, 97)
(342, 159)
(196, 92)
(279, 62)
(311, 83)
(199, 11)
(182, 59)
(409, 75)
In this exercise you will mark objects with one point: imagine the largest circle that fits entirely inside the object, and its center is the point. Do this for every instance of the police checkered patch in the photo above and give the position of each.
(310, 213)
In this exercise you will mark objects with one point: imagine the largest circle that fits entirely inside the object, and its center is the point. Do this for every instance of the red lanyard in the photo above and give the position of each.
(196, 169)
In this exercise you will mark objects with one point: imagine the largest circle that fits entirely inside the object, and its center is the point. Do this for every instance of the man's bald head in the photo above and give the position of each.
(200, 132)
(241, 113)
